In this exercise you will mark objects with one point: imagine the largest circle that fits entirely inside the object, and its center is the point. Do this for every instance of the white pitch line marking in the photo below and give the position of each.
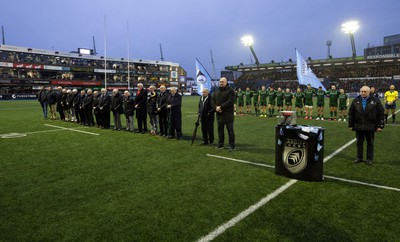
(80, 131)
(221, 229)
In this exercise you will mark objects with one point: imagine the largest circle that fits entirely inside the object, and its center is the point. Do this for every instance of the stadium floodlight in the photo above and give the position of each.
(248, 41)
(350, 28)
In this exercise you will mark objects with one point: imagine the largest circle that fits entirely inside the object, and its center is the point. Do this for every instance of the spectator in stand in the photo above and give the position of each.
(117, 108)
(390, 99)
(42, 98)
(129, 110)
(162, 111)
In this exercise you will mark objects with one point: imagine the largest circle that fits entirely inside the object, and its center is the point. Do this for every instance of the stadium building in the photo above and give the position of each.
(23, 70)
(379, 70)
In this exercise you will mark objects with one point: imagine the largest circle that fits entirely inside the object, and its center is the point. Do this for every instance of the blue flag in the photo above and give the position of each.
(202, 77)
(305, 74)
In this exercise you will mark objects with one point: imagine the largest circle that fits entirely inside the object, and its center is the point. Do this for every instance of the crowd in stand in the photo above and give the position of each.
(91, 108)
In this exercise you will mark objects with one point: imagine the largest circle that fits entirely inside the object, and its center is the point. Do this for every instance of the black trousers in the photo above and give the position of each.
(89, 116)
(97, 114)
(207, 128)
(369, 137)
(141, 116)
(175, 123)
(221, 134)
(163, 121)
(105, 118)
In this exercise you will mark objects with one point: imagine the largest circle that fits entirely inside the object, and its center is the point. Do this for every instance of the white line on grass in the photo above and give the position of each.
(80, 131)
(221, 229)
(329, 177)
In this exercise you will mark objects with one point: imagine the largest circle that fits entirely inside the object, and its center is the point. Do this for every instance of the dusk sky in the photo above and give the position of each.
(189, 29)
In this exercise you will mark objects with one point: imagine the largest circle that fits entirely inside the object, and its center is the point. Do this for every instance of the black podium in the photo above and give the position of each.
(299, 152)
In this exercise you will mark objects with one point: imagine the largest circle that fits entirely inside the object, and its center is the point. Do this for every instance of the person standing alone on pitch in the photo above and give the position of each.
(206, 113)
(223, 103)
(366, 116)
(390, 103)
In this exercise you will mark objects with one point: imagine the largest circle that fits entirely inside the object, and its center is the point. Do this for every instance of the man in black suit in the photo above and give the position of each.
(162, 111)
(174, 104)
(129, 110)
(117, 109)
(42, 98)
(104, 106)
(59, 104)
(141, 109)
(206, 113)
(88, 107)
(96, 108)
(223, 101)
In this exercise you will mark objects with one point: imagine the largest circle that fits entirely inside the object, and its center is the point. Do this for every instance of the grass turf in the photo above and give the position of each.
(120, 186)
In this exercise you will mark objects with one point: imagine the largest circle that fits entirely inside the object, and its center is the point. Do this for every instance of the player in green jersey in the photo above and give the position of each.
(308, 106)
(288, 99)
(271, 104)
(279, 100)
(256, 103)
(320, 103)
(299, 98)
(343, 104)
(248, 94)
(262, 99)
(240, 100)
(333, 102)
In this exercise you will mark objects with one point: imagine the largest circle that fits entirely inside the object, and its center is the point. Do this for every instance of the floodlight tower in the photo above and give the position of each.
(248, 41)
(350, 28)
(329, 43)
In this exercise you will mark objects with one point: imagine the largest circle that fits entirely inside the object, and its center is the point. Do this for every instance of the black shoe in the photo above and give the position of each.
(358, 160)
(219, 147)
(231, 149)
(204, 143)
(368, 162)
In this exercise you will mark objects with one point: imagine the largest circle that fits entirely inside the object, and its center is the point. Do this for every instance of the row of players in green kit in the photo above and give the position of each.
(266, 100)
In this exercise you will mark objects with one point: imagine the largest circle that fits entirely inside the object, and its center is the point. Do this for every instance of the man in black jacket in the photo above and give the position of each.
(366, 116)
(174, 104)
(117, 109)
(223, 101)
(206, 113)
(104, 106)
(59, 104)
(141, 109)
(129, 110)
(42, 99)
(162, 111)
(96, 108)
(88, 108)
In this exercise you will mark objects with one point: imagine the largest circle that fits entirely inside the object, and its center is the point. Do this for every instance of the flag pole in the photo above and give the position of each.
(105, 52)
(129, 83)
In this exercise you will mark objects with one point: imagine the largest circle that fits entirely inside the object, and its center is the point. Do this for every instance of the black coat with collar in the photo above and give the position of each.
(368, 120)
(224, 97)
(206, 111)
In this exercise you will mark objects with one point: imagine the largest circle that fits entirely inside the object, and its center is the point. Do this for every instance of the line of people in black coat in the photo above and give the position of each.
(94, 108)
